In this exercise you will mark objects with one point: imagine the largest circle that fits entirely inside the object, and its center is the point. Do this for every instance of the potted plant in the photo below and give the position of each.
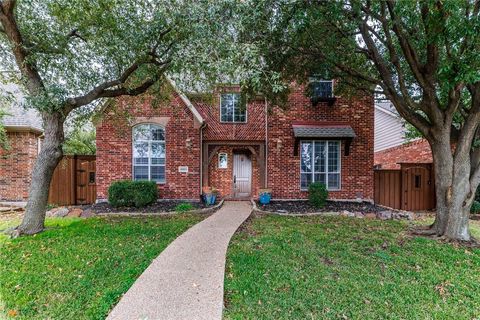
(264, 196)
(210, 195)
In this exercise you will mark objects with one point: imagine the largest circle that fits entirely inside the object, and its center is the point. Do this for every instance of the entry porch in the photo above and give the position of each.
(235, 168)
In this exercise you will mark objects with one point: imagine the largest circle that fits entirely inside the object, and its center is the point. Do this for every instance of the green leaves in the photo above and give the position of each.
(78, 45)
(80, 141)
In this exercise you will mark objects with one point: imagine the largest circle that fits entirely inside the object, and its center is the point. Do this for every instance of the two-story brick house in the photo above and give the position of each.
(240, 146)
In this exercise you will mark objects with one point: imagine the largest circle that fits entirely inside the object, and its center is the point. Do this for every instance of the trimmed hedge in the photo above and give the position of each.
(317, 194)
(127, 193)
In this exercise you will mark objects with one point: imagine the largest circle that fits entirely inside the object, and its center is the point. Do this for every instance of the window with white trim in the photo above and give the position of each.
(232, 108)
(320, 162)
(149, 153)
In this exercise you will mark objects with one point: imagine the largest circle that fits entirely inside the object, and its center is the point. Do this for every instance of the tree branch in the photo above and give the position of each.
(432, 108)
(469, 128)
(431, 64)
(395, 59)
(408, 51)
(389, 87)
(74, 34)
(117, 87)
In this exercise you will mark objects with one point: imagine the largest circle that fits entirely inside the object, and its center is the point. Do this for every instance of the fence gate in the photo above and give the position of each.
(418, 187)
(85, 180)
(411, 188)
(73, 181)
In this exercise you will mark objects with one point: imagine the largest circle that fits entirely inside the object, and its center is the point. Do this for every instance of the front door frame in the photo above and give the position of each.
(235, 192)
(210, 148)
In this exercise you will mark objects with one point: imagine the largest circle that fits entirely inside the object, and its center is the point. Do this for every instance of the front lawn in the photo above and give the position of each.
(79, 268)
(346, 268)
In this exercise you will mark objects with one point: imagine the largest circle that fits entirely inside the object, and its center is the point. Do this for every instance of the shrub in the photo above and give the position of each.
(318, 194)
(475, 207)
(128, 193)
(184, 207)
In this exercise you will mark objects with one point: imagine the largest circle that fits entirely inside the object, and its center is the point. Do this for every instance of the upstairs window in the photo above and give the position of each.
(321, 89)
(149, 153)
(232, 109)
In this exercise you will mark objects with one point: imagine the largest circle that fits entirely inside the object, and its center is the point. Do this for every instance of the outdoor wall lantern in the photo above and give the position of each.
(279, 144)
(188, 143)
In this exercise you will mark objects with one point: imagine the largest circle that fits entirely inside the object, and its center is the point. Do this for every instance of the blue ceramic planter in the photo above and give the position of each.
(210, 198)
(265, 198)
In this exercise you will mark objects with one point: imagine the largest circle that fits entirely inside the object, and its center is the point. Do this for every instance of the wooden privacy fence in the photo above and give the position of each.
(73, 181)
(388, 188)
(411, 188)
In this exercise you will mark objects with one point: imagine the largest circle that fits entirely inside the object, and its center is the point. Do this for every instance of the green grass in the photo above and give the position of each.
(79, 268)
(184, 207)
(474, 225)
(344, 268)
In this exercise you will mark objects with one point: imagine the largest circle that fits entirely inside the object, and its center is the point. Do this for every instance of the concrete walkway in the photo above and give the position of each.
(186, 280)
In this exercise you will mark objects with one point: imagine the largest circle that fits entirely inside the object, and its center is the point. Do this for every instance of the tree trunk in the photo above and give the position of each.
(47, 160)
(443, 170)
(454, 193)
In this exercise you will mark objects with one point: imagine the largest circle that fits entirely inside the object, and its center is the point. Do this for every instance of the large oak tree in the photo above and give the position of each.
(424, 56)
(70, 55)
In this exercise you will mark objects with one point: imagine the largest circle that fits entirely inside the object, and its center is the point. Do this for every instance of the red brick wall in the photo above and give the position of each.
(222, 179)
(114, 146)
(417, 151)
(357, 168)
(16, 165)
(114, 151)
(253, 129)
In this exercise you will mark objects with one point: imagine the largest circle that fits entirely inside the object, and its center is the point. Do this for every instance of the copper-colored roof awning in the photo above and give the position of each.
(323, 131)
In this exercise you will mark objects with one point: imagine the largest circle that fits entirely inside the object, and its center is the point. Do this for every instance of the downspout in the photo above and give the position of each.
(201, 156)
(266, 144)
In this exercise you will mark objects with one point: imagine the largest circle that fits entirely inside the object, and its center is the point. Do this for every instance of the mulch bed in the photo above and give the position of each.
(160, 206)
(331, 206)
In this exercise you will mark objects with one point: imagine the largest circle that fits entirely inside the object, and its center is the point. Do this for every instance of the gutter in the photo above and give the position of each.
(266, 144)
(204, 124)
(23, 129)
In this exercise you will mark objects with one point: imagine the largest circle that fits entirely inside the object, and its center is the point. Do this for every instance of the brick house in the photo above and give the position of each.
(414, 152)
(240, 146)
(24, 132)
(404, 177)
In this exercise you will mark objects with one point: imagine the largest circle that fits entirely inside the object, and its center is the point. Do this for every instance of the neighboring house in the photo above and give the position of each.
(404, 176)
(24, 132)
(239, 147)
(417, 151)
(391, 146)
(389, 126)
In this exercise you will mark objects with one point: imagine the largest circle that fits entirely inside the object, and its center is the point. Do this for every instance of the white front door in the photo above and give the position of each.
(242, 176)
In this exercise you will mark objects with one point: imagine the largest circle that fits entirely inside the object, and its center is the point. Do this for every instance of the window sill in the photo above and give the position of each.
(329, 190)
(233, 122)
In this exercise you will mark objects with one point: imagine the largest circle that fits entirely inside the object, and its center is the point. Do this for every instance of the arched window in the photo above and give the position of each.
(149, 153)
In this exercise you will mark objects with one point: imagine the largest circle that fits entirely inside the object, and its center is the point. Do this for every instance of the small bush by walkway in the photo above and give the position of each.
(321, 267)
(79, 268)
